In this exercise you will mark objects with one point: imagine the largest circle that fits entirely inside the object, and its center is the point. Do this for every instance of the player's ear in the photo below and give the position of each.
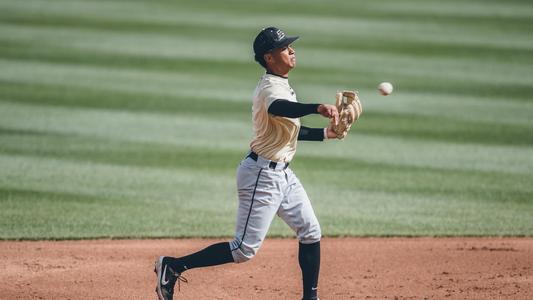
(268, 57)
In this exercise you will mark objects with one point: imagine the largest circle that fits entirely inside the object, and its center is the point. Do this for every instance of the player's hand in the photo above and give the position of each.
(329, 111)
(330, 133)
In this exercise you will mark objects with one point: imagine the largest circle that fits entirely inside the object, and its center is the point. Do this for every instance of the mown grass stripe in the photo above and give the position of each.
(477, 184)
(385, 124)
(233, 134)
(453, 68)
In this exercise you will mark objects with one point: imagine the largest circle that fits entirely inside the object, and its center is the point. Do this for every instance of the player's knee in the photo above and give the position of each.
(241, 252)
(240, 257)
(310, 234)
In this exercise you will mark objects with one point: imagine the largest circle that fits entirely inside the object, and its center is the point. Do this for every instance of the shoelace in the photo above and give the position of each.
(180, 279)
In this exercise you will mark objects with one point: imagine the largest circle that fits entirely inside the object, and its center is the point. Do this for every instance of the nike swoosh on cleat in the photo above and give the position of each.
(163, 281)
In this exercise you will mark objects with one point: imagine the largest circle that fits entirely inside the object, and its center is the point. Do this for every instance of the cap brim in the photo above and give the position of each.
(286, 41)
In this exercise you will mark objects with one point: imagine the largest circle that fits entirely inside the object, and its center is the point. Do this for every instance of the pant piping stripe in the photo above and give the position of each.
(249, 211)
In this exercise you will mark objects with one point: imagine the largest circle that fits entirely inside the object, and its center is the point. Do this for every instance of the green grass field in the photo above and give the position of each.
(129, 118)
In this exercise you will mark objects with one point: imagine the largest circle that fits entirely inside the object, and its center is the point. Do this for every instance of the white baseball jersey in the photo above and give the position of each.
(275, 137)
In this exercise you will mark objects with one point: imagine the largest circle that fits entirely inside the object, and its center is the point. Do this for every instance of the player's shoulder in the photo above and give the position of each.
(272, 82)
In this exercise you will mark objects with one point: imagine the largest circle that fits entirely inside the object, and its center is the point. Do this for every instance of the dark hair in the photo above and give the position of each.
(261, 60)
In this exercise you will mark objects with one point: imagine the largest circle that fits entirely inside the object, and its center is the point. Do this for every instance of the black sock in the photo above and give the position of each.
(309, 259)
(216, 254)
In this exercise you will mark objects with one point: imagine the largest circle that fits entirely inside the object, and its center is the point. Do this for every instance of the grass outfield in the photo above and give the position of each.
(128, 118)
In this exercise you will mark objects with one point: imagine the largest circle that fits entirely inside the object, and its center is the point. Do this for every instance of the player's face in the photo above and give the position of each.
(283, 58)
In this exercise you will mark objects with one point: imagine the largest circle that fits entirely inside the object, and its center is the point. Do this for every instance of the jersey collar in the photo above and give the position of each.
(269, 73)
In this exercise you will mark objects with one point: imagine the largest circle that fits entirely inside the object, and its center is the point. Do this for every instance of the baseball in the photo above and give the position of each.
(385, 88)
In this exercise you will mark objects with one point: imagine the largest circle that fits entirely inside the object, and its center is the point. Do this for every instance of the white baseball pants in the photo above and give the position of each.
(264, 192)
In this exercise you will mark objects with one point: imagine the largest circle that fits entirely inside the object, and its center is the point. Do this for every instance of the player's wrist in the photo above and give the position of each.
(318, 108)
(329, 133)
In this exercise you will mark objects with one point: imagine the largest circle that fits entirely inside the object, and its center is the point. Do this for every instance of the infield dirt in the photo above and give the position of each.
(352, 268)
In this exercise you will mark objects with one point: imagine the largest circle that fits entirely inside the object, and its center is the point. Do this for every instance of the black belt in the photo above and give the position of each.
(271, 165)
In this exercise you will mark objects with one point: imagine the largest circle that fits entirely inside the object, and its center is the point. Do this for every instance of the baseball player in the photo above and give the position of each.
(266, 185)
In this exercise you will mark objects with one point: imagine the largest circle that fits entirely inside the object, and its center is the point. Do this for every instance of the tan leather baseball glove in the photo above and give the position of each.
(350, 110)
